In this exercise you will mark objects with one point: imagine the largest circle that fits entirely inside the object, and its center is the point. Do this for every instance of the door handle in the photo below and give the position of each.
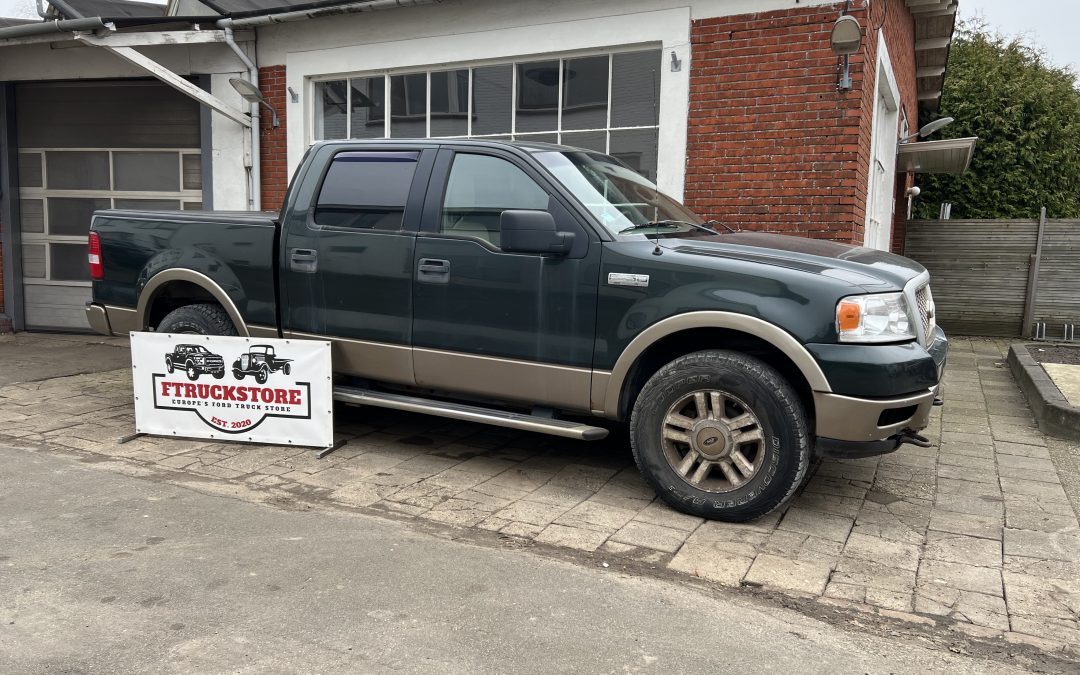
(433, 271)
(304, 260)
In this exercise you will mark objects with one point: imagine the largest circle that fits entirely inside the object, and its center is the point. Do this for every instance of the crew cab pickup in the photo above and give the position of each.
(542, 287)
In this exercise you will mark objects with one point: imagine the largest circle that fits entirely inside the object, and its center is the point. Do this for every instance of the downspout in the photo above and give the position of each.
(41, 10)
(255, 170)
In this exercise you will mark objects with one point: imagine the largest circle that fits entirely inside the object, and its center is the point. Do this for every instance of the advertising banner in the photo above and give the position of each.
(232, 388)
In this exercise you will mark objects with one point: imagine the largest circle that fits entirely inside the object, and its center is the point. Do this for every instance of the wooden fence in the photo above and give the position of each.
(988, 280)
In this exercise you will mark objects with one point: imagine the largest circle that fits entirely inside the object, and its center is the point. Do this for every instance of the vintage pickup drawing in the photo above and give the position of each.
(260, 361)
(195, 360)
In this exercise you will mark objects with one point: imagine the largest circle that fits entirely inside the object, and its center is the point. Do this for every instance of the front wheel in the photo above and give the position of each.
(262, 376)
(238, 374)
(169, 365)
(721, 435)
(192, 372)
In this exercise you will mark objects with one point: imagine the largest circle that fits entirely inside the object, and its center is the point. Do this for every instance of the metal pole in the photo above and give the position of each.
(1033, 276)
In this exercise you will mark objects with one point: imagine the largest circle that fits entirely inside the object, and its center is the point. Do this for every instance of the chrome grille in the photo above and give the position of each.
(925, 302)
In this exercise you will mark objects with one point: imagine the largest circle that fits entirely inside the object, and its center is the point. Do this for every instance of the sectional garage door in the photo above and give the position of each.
(94, 145)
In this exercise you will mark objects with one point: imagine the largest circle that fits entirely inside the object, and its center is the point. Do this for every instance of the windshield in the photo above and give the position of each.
(619, 197)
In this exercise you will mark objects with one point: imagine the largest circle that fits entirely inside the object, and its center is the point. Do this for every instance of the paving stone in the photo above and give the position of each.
(521, 478)
(1020, 450)
(886, 525)
(852, 592)
(484, 466)
(650, 536)
(593, 515)
(978, 608)
(847, 507)
(572, 537)
(583, 477)
(559, 495)
(1042, 521)
(427, 465)
(950, 486)
(711, 561)
(954, 438)
(824, 525)
(533, 513)
(1044, 569)
(659, 513)
(214, 471)
(1027, 463)
(791, 575)
(882, 551)
(892, 601)
(966, 461)
(960, 548)
(987, 527)
(960, 576)
(357, 494)
(905, 488)
(624, 496)
(798, 546)
(865, 573)
(1035, 597)
(253, 459)
(524, 530)
(984, 474)
(453, 478)
(459, 512)
(1044, 545)
(974, 505)
(178, 461)
(1035, 490)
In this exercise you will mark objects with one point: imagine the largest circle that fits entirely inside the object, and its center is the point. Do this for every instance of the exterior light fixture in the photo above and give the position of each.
(928, 129)
(250, 93)
(845, 40)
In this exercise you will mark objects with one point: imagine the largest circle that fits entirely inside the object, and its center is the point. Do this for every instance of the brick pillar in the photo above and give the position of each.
(772, 144)
(273, 160)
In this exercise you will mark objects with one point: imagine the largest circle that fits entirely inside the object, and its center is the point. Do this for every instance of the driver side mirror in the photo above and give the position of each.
(532, 232)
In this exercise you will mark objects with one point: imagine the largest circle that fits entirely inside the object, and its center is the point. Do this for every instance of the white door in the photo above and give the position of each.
(880, 201)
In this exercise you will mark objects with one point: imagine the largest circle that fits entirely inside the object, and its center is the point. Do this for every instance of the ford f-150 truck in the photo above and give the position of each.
(532, 286)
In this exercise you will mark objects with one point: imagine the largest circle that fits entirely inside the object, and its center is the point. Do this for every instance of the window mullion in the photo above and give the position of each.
(607, 123)
(348, 108)
(559, 102)
(387, 103)
(513, 99)
(427, 112)
(468, 106)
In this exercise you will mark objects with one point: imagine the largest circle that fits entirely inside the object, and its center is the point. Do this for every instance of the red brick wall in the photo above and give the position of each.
(273, 160)
(772, 145)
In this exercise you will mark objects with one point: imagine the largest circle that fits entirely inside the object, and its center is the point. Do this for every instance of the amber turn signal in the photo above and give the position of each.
(848, 316)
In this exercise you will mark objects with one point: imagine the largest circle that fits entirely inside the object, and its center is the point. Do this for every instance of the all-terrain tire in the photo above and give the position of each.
(747, 385)
(202, 319)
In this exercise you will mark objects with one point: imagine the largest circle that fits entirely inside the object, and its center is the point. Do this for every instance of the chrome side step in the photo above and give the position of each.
(469, 413)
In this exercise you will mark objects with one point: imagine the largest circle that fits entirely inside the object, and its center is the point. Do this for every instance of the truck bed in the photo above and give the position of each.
(234, 248)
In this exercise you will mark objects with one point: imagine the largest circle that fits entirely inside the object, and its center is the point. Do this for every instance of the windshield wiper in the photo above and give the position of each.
(650, 226)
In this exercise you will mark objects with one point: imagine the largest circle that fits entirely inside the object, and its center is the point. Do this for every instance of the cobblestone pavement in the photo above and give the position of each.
(977, 533)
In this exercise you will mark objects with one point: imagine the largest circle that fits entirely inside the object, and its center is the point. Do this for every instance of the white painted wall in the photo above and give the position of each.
(227, 149)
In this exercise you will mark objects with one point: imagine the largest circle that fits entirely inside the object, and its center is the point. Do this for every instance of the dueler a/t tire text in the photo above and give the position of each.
(203, 319)
(738, 390)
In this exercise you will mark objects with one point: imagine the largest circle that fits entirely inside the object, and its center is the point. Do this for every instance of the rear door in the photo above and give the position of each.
(347, 258)
(496, 324)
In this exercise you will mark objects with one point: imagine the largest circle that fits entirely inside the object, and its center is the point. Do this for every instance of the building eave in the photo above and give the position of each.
(935, 23)
(952, 155)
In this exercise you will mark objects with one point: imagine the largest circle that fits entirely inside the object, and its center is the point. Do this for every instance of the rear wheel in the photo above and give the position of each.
(203, 319)
(721, 435)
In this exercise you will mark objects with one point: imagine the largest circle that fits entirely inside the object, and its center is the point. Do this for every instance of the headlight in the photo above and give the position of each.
(881, 317)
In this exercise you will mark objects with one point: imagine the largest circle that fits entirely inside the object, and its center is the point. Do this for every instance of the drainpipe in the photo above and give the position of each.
(255, 170)
(41, 10)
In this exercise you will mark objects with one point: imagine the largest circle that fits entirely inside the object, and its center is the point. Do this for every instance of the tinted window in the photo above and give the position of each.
(366, 190)
(480, 188)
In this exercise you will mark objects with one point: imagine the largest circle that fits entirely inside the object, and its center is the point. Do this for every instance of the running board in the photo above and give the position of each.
(470, 413)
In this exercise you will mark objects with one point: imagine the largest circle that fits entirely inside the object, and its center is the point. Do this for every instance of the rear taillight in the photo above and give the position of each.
(97, 270)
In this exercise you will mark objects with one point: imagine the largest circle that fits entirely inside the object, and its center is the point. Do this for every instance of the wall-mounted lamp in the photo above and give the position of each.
(250, 93)
(928, 129)
(676, 63)
(845, 40)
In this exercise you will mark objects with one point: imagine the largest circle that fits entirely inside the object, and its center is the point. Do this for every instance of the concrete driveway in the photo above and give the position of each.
(976, 536)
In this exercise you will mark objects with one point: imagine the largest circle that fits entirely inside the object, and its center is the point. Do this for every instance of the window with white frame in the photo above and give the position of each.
(607, 102)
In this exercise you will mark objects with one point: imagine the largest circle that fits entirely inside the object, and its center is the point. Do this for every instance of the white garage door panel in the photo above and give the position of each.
(85, 146)
(56, 306)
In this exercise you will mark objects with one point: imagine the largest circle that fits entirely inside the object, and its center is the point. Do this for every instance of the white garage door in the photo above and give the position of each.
(85, 146)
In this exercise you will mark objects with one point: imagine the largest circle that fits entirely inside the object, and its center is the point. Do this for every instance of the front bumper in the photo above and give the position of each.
(859, 425)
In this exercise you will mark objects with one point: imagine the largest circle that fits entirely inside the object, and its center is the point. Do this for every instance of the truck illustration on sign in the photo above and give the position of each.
(195, 360)
(260, 361)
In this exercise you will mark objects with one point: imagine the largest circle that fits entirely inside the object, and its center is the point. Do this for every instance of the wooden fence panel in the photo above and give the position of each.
(979, 273)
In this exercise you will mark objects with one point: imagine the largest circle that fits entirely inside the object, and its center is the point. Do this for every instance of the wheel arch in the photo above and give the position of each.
(675, 336)
(176, 288)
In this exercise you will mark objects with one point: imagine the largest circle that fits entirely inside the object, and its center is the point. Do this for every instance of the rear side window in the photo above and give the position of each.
(366, 190)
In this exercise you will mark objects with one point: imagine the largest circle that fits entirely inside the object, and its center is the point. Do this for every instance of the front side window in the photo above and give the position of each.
(366, 190)
(609, 103)
(479, 189)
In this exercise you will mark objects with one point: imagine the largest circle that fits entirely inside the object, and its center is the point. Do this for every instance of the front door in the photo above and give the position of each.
(501, 325)
(348, 264)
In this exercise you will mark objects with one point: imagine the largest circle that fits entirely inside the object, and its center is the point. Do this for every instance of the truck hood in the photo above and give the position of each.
(869, 268)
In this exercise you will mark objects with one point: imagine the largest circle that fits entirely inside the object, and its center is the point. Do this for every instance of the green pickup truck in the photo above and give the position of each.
(541, 287)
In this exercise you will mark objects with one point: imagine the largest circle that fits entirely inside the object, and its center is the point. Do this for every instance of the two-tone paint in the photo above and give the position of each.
(527, 330)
